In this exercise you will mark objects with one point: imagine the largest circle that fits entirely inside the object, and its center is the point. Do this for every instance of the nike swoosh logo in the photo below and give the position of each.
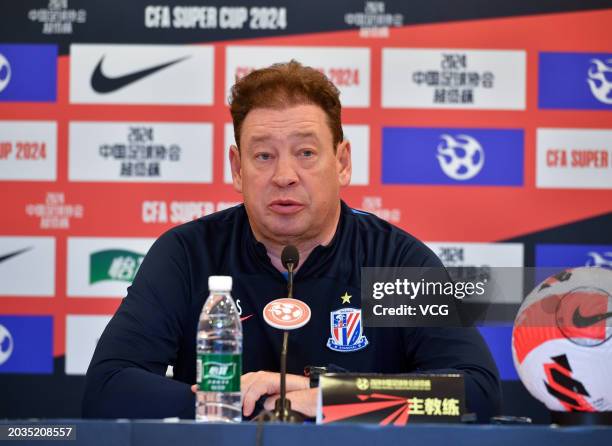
(581, 321)
(13, 254)
(104, 84)
(242, 319)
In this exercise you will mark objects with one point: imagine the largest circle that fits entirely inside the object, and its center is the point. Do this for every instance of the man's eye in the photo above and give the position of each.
(263, 156)
(307, 153)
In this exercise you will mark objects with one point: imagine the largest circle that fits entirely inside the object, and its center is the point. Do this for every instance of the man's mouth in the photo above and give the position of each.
(286, 206)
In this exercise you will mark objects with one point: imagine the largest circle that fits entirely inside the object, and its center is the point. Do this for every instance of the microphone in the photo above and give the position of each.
(286, 314)
(290, 258)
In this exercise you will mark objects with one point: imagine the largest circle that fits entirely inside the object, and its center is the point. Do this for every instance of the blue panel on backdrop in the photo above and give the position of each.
(26, 344)
(457, 156)
(28, 73)
(548, 257)
(575, 81)
(499, 340)
(574, 255)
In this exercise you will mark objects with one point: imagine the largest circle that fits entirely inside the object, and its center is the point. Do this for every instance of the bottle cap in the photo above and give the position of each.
(220, 283)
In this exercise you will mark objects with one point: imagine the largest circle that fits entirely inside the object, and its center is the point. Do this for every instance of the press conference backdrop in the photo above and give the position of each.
(483, 128)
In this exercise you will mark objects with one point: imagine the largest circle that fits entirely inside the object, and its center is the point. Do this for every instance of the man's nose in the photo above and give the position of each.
(285, 174)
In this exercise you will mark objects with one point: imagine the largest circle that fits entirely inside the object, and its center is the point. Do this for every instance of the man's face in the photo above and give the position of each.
(289, 174)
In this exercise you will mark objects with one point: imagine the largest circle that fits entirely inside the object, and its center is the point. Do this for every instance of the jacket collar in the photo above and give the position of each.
(317, 262)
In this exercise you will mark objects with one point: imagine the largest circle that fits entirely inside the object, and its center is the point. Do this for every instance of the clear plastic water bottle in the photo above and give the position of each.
(219, 355)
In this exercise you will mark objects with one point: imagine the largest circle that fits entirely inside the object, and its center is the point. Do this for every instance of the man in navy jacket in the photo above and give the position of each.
(289, 164)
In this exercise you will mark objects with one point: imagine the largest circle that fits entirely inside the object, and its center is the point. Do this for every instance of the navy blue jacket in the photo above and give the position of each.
(155, 325)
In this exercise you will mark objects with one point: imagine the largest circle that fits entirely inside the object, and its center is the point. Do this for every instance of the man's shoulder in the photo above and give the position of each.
(392, 244)
(372, 225)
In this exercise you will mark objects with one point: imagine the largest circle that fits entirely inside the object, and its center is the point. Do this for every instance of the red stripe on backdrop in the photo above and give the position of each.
(426, 210)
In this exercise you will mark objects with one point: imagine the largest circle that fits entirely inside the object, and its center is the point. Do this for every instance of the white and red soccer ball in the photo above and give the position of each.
(561, 341)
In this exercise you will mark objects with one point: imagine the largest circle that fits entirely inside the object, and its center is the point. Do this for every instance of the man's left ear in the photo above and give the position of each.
(236, 164)
(343, 161)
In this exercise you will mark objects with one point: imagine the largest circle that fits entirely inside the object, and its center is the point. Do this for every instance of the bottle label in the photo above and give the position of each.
(219, 372)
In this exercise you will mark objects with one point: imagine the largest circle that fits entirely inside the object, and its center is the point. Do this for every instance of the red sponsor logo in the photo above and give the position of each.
(286, 314)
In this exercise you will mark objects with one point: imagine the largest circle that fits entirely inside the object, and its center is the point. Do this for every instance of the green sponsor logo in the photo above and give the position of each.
(114, 264)
(218, 372)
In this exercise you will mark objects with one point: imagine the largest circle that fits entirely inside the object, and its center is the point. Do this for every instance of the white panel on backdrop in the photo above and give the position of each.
(453, 78)
(228, 140)
(358, 135)
(27, 266)
(479, 254)
(28, 150)
(82, 335)
(574, 158)
(103, 267)
(348, 68)
(141, 152)
(141, 74)
(507, 283)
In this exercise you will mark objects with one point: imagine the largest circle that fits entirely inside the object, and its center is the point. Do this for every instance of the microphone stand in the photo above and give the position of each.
(290, 280)
(283, 363)
(282, 406)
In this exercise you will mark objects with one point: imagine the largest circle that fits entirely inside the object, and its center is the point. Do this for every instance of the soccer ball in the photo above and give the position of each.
(5, 72)
(561, 341)
(598, 76)
(461, 158)
(6, 344)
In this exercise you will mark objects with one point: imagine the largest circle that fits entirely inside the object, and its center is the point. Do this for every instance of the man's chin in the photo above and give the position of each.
(286, 230)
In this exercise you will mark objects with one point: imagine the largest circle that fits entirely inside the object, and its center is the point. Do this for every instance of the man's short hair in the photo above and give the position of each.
(284, 85)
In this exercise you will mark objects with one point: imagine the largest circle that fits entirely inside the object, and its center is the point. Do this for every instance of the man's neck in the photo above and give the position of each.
(304, 247)
(275, 257)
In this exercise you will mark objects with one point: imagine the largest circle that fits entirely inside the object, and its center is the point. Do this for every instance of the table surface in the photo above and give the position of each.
(150, 432)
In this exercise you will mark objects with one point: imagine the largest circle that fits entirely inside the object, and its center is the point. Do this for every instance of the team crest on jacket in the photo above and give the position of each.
(346, 330)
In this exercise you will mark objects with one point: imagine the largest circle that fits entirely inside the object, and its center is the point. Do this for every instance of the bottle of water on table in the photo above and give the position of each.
(219, 355)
